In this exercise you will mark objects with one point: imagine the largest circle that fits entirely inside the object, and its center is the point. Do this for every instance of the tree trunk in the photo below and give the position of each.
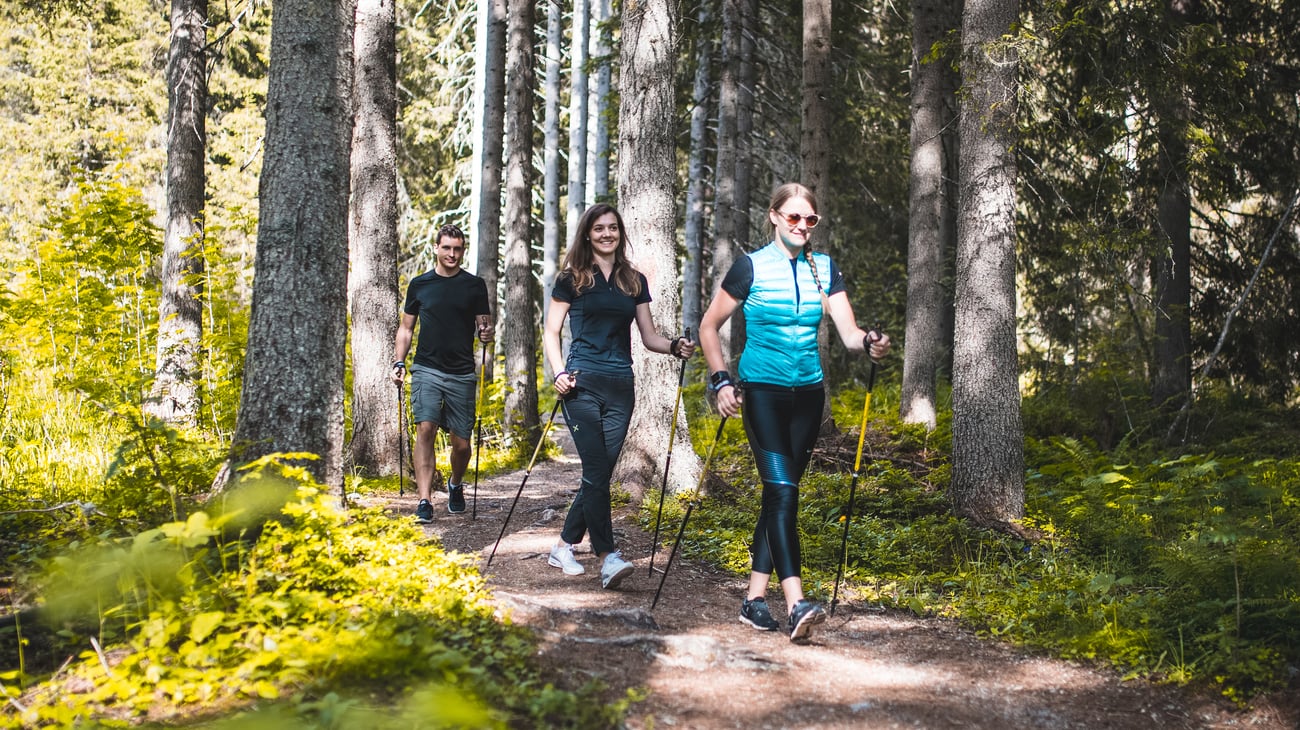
(932, 20)
(951, 199)
(1171, 277)
(693, 237)
(488, 223)
(373, 290)
(175, 397)
(551, 223)
(815, 146)
(724, 170)
(598, 186)
(292, 398)
(519, 340)
(815, 129)
(578, 102)
(988, 464)
(746, 78)
(646, 155)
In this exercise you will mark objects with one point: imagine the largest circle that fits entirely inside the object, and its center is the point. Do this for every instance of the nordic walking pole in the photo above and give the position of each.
(527, 472)
(853, 486)
(401, 442)
(478, 426)
(689, 506)
(672, 431)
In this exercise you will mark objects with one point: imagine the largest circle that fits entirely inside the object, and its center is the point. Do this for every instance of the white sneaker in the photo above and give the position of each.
(562, 558)
(614, 570)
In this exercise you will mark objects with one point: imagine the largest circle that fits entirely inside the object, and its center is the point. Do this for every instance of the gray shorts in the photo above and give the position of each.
(444, 399)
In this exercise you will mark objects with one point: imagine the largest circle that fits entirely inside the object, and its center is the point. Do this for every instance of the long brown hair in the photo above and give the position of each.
(580, 261)
(783, 194)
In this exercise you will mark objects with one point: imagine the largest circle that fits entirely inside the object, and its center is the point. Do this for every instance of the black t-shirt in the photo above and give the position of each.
(447, 306)
(600, 323)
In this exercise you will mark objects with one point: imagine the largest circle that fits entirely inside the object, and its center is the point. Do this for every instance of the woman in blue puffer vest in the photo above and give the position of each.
(784, 289)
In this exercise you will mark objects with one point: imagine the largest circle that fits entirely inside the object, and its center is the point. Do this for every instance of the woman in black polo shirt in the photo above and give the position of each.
(602, 295)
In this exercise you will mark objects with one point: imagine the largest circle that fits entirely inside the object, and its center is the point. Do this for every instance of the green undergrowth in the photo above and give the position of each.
(1181, 568)
(325, 619)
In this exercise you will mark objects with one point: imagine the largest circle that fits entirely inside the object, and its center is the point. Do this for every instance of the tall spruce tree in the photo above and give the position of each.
(930, 211)
(519, 340)
(372, 284)
(491, 149)
(177, 378)
(647, 181)
(292, 398)
(988, 463)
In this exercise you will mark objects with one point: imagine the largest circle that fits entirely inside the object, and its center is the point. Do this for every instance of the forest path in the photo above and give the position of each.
(704, 670)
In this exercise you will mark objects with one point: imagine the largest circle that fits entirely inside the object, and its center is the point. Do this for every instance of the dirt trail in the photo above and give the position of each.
(704, 670)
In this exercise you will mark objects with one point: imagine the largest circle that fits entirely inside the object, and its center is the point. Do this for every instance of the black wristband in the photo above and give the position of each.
(400, 364)
(675, 349)
(557, 375)
(720, 379)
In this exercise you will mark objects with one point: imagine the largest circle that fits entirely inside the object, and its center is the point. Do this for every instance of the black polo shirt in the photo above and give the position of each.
(600, 324)
(447, 307)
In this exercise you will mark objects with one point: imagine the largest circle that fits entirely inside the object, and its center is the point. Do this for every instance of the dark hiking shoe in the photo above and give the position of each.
(754, 612)
(803, 617)
(424, 511)
(455, 498)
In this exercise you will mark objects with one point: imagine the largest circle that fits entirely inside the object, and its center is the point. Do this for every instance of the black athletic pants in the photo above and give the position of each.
(782, 425)
(598, 414)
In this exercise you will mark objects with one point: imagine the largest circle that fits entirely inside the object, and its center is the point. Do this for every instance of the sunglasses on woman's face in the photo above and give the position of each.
(793, 219)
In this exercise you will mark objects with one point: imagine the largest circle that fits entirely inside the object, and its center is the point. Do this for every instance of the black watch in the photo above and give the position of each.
(719, 380)
(400, 364)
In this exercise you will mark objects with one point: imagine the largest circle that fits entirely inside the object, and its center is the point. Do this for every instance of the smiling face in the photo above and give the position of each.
(605, 236)
(793, 235)
(450, 252)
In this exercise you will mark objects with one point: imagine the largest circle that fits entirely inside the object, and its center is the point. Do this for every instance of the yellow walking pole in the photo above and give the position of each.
(853, 486)
(478, 425)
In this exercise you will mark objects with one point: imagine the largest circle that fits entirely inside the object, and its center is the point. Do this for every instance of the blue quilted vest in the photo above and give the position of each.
(782, 314)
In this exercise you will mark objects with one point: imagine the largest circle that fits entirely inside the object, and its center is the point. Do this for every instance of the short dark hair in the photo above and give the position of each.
(450, 231)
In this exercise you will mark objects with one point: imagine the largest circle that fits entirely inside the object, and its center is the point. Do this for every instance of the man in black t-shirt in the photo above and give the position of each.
(451, 305)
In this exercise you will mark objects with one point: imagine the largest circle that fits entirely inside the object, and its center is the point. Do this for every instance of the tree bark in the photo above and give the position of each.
(746, 78)
(176, 392)
(551, 223)
(1171, 277)
(815, 130)
(598, 186)
(647, 176)
(693, 235)
(292, 397)
(815, 144)
(578, 103)
(724, 170)
(519, 340)
(488, 224)
(988, 473)
(928, 206)
(373, 290)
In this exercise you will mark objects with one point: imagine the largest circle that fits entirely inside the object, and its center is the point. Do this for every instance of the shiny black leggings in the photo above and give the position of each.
(782, 425)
